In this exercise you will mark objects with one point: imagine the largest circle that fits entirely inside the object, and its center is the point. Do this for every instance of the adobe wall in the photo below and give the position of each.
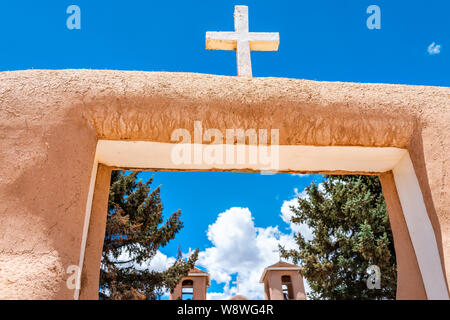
(50, 122)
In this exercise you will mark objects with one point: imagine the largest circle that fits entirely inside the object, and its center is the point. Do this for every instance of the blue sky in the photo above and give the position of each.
(254, 217)
(319, 40)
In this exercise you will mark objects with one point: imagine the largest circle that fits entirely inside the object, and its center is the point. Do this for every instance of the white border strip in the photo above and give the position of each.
(153, 155)
(420, 229)
(156, 155)
(87, 218)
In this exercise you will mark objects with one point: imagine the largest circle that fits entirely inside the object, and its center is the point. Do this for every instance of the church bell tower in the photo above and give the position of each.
(282, 281)
(192, 287)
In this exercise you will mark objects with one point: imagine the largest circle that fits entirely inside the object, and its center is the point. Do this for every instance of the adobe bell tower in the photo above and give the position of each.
(282, 281)
(192, 287)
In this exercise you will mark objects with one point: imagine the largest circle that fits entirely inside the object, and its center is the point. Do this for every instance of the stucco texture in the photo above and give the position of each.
(50, 122)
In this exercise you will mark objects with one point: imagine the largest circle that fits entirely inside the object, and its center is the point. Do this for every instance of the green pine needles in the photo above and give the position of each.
(135, 230)
(351, 231)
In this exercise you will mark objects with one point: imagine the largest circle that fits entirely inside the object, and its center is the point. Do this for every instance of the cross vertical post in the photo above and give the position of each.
(242, 41)
(244, 62)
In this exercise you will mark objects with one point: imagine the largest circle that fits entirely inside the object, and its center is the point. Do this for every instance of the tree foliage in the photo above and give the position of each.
(351, 231)
(135, 230)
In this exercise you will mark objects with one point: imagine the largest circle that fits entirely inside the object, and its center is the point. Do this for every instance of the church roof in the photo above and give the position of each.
(280, 265)
(239, 297)
(196, 272)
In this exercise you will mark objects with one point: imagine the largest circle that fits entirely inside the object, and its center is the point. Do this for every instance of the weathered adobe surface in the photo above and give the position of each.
(50, 122)
(148, 105)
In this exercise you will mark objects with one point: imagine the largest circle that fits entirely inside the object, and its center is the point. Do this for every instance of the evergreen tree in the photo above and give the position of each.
(351, 231)
(135, 229)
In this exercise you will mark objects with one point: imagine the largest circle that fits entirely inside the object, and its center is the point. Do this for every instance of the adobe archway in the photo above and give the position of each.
(57, 128)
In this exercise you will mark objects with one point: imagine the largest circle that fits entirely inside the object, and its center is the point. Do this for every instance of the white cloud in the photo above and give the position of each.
(239, 248)
(434, 49)
(303, 229)
(300, 175)
(287, 214)
(159, 261)
(217, 296)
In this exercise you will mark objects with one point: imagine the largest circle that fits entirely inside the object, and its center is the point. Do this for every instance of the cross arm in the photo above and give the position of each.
(221, 40)
(259, 41)
(264, 41)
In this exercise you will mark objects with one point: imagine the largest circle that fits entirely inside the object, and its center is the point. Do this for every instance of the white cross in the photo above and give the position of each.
(242, 41)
